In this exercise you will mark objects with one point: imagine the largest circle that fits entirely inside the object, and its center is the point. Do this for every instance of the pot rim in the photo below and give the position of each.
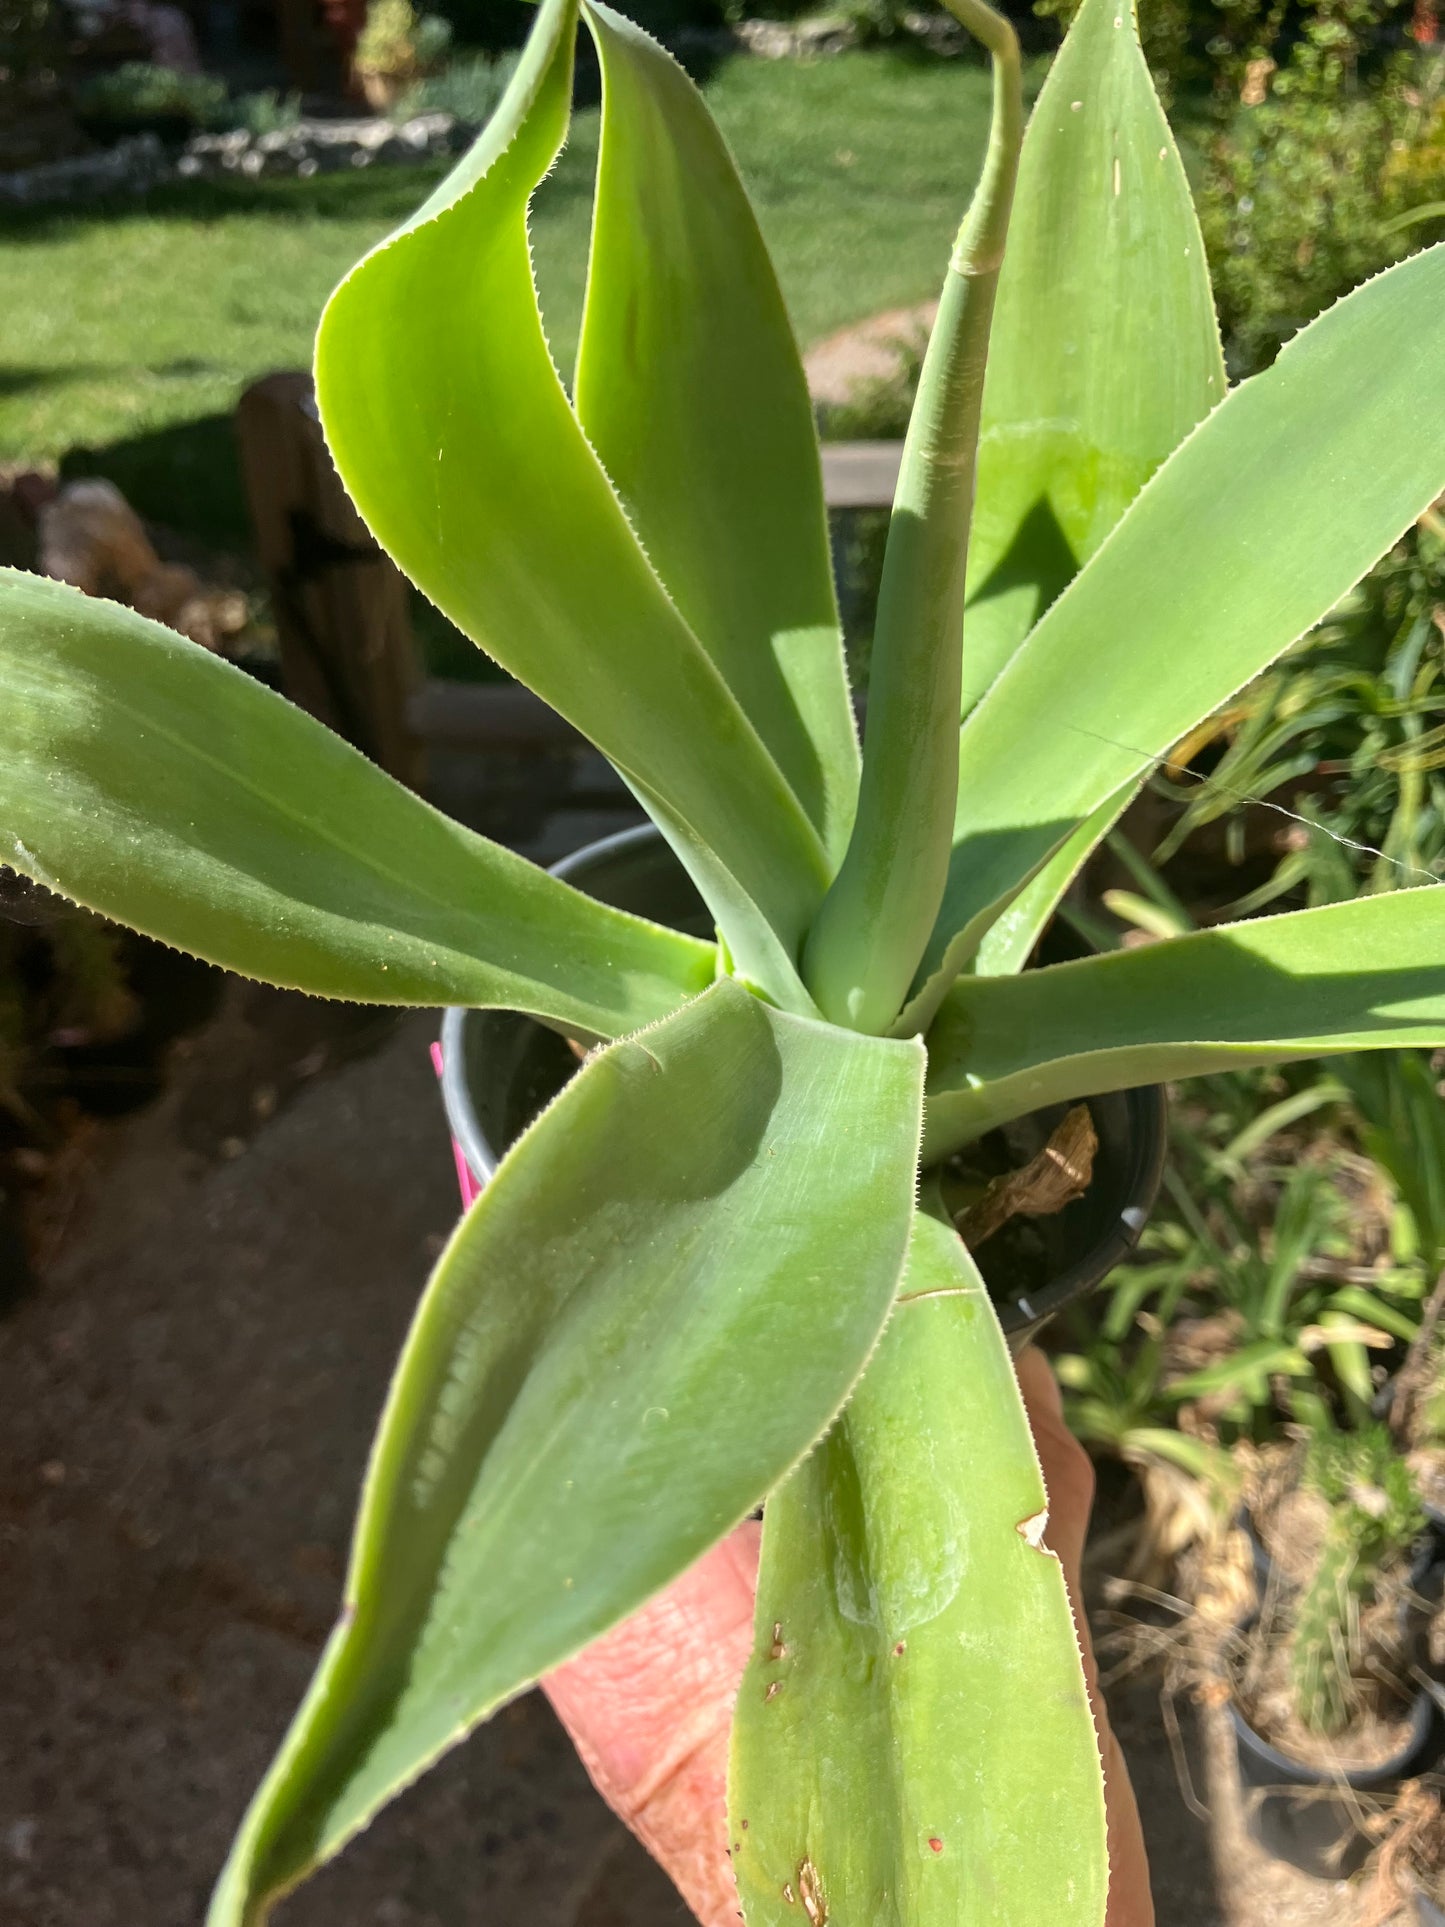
(456, 1096)
(1022, 1315)
(1364, 1779)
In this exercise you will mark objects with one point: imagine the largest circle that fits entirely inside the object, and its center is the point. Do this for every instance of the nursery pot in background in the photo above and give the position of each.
(1310, 1816)
(499, 1069)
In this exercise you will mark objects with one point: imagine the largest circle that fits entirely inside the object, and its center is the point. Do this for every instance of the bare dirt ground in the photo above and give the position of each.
(186, 1398)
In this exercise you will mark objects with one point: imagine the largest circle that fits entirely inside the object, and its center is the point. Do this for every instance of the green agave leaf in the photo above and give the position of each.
(1361, 975)
(913, 1744)
(1106, 350)
(1250, 532)
(1106, 353)
(1009, 941)
(151, 781)
(877, 917)
(661, 1299)
(690, 388)
(450, 427)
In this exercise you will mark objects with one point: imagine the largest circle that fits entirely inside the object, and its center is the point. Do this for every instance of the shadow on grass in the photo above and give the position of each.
(187, 476)
(21, 380)
(376, 194)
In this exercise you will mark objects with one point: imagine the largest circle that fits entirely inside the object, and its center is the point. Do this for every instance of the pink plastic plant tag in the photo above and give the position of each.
(466, 1181)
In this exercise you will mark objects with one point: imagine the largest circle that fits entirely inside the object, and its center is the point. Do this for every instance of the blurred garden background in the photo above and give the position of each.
(133, 319)
(180, 187)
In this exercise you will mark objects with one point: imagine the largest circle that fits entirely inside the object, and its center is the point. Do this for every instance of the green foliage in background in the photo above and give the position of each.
(137, 92)
(1264, 1225)
(468, 86)
(266, 112)
(1329, 140)
(399, 42)
(1349, 727)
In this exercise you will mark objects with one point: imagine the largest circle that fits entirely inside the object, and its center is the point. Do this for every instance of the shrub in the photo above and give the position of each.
(398, 41)
(263, 113)
(1315, 161)
(139, 92)
(468, 87)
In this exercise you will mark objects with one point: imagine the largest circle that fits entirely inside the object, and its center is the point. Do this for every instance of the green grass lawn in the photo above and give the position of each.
(127, 332)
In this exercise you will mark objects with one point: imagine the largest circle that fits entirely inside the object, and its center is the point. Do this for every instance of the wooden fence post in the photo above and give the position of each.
(348, 654)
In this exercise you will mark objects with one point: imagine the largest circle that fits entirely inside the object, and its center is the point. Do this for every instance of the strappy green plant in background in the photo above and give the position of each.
(712, 1244)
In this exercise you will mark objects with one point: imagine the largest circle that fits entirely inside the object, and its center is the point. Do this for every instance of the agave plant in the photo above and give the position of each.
(715, 1241)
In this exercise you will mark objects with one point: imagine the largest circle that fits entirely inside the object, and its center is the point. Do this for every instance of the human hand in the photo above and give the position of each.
(649, 1706)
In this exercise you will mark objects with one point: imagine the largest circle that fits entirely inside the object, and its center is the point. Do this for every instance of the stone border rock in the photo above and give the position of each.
(139, 163)
(324, 147)
(814, 38)
(130, 167)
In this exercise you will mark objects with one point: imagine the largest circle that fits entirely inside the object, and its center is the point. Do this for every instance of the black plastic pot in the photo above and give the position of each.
(499, 1069)
(1310, 1818)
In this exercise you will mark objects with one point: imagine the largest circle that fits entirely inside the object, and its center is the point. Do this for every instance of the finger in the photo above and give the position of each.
(649, 1709)
(1068, 1470)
